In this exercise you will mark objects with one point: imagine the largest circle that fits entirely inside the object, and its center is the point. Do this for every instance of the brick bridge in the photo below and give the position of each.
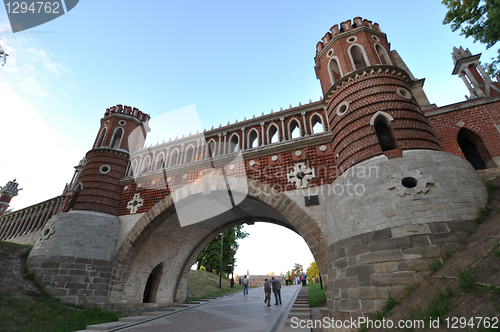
(376, 179)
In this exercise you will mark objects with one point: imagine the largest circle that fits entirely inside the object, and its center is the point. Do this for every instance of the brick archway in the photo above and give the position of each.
(138, 253)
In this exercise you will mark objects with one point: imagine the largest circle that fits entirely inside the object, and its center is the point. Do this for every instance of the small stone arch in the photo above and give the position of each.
(382, 54)
(189, 154)
(282, 210)
(292, 125)
(473, 148)
(381, 122)
(334, 69)
(253, 137)
(234, 143)
(174, 158)
(145, 165)
(116, 139)
(313, 122)
(98, 144)
(358, 57)
(160, 159)
(273, 130)
(211, 150)
(133, 168)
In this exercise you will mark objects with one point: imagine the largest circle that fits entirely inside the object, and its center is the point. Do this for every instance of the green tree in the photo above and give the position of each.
(3, 56)
(313, 272)
(479, 19)
(209, 258)
(297, 270)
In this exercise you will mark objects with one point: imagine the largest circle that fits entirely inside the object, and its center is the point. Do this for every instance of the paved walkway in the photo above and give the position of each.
(238, 313)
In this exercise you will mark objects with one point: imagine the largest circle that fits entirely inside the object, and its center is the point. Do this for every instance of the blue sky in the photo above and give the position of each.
(231, 59)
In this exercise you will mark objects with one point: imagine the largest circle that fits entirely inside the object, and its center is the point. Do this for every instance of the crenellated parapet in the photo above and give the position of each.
(127, 110)
(345, 27)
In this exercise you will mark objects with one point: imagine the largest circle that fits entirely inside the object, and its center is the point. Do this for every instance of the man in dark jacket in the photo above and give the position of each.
(267, 291)
(276, 289)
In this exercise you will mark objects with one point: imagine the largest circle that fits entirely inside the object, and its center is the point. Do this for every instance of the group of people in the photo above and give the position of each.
(274, 285)
(301, 279)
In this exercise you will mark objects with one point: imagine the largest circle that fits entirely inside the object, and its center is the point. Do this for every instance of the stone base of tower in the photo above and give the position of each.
(72, 258)
(384, 235)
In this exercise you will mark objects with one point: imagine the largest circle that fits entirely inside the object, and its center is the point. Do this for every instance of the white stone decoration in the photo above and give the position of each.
(135, 203)
(322, 148)
(139, 185)
(301, 174)
(231, 167)
(274, 158)
(125, 188)
(252, 162)
(153, 183)
(185, 176)
(298, 153)
(419, 184)
(169, 179)
(47, 232)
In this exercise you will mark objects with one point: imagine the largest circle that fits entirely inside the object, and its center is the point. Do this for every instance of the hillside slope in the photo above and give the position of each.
(466, 287)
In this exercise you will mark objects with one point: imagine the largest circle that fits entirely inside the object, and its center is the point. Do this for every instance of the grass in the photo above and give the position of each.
(435, 265)
(467, 279)
(379, 315)
(317, 297)
(44, 313)
(37, 311)
(202, 284)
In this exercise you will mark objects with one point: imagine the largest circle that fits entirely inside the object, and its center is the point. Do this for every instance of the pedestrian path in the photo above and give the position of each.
(236, 312)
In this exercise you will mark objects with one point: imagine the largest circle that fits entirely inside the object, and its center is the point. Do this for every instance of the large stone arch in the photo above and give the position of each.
(157, 236)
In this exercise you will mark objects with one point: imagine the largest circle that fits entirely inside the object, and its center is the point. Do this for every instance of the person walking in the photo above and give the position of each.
(276, 289)
(267, 292)
(304, 279)
(286, 279)
(245, 285)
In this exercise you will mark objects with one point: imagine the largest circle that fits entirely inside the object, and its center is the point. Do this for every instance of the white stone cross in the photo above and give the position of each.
(135, 203)
(301, 174)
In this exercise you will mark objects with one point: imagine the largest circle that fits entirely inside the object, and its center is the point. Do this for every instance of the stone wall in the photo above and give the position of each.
(383, 236)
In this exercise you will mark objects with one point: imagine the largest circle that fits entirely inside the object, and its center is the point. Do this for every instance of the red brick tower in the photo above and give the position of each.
(123, 130)
(6, 193)
(396, 183)
(371, 107)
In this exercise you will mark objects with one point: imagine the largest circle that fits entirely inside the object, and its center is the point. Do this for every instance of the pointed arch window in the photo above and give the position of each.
(358, 60)
(334, 70)
(211, 152)
(294, 129)
(382, 54)
(133, 168)
(159, 161)
(174, 158)
(116, 140)
(316, 123)
(381, 121)
(101, 138)
(234, 143)
(145, 164)
(273, 134)
(189, 154)
(253, 138)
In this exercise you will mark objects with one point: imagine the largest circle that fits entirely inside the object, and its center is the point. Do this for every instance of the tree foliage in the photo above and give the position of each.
(297, 270)
(313, 272)
(209, 258)
(3, 56)
(479, 19)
